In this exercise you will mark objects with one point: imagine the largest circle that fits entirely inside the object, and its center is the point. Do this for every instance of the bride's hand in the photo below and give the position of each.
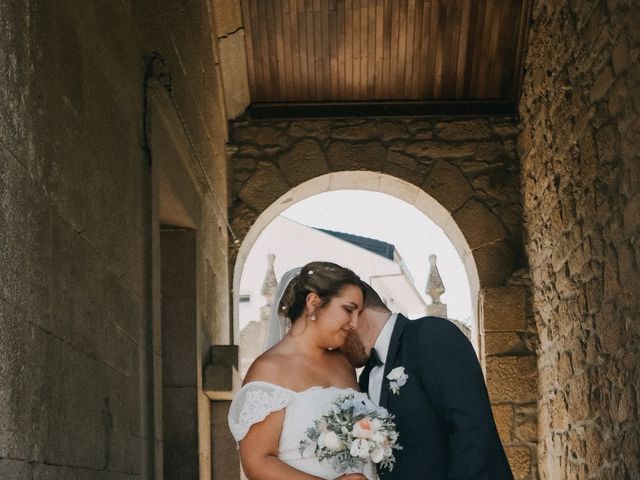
(352, 476)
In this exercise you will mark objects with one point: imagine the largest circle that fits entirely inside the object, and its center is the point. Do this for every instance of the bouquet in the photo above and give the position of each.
(352, 431)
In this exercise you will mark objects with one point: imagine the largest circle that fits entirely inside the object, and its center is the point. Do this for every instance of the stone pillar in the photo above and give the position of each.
(435, 289)
(511, 373)
(220, 382)
(179, 354)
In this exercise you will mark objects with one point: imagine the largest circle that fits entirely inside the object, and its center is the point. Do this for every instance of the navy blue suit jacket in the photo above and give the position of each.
(443, 414)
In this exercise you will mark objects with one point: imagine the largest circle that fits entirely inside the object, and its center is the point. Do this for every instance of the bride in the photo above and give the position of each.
(294, 382)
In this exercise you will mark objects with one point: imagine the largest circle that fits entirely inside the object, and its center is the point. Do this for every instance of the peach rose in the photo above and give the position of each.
(364, 428)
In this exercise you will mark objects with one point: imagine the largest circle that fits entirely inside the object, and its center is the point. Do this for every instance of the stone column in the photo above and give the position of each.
(179, 354)
(221, 381)
(511, 373)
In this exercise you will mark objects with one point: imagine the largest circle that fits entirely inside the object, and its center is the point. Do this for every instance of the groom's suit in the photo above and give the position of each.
(442, 413)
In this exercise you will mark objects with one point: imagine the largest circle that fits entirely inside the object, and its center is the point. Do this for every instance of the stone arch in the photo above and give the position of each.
(384, 183)
(469, 167)
(463, 173)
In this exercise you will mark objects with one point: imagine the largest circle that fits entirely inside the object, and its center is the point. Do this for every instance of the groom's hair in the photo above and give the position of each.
(372, 300)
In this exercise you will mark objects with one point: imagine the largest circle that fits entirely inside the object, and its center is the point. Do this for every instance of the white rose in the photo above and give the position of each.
(377, 454)
(359, 448)
(378, 438)
(396, 374)
(397, 378)
(330, 440)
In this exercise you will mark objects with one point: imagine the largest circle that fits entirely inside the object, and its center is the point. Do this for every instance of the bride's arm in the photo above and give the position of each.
(259, 453)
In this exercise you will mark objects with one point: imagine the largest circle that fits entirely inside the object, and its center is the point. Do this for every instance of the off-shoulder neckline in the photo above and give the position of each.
(313, 387)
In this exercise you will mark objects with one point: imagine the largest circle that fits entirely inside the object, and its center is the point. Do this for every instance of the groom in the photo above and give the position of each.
(426, 373)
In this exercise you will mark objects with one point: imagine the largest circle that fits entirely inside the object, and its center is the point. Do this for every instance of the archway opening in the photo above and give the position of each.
(383, 228)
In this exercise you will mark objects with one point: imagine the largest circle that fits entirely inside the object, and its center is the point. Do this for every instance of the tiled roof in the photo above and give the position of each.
(378, 247)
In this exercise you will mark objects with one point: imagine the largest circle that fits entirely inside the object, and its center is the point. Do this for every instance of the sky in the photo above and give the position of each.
(383, 217)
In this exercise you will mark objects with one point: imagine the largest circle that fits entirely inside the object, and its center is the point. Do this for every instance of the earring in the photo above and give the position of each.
(313, 316)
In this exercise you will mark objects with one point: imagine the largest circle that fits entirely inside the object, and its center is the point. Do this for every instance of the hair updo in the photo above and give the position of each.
(326, 279)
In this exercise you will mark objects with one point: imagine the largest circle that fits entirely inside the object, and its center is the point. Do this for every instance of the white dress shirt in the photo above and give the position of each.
(382, 349)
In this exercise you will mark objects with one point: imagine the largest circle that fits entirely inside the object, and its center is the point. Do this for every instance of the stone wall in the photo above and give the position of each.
(80, 356)
(581, 183)
(470, 166)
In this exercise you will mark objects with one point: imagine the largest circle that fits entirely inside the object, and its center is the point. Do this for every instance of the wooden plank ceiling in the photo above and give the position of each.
(384, 50)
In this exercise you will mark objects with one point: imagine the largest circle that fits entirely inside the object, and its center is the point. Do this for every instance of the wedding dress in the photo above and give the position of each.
(256, 400)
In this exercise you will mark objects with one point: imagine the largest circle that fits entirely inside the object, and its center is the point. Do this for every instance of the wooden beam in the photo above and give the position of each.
(437, 108)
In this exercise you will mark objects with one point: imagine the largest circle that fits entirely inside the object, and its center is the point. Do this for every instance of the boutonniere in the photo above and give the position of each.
(397, 378)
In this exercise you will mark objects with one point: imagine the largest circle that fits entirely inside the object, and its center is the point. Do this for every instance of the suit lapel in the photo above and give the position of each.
(394, 345)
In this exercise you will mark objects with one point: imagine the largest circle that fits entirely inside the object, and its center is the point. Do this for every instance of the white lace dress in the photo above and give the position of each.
(256, 400)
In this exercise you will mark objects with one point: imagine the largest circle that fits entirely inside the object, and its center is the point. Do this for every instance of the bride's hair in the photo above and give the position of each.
(324, 278)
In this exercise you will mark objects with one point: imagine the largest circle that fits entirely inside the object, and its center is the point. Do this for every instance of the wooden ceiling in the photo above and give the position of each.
(394, 51)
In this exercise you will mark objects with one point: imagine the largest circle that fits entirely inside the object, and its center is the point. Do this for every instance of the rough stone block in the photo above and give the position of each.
(303, 162)
(606, 142)
(364, 131)
(504, 309)
(346, 156)
(319, 129)
(492, 153)
(494, 263)
(440, 149)
(526, 423)
(602, 84)
(509, 343)
(507, 128)
(482, 225)
(264, 187)
(512, 379)
(424, 135)
(419, 126)
(447, 184)
(263, 136)
(392, 131)
(620, 55)
(408, 175)
(242, 164)
(477, 129)
(519, 461)
(403, 161)
(503, 416)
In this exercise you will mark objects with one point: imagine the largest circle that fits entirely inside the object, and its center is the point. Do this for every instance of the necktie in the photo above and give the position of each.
(374, 360)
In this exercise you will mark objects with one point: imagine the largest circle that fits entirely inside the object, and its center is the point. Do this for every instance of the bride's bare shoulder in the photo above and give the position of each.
(341, 362)
(267, 367)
